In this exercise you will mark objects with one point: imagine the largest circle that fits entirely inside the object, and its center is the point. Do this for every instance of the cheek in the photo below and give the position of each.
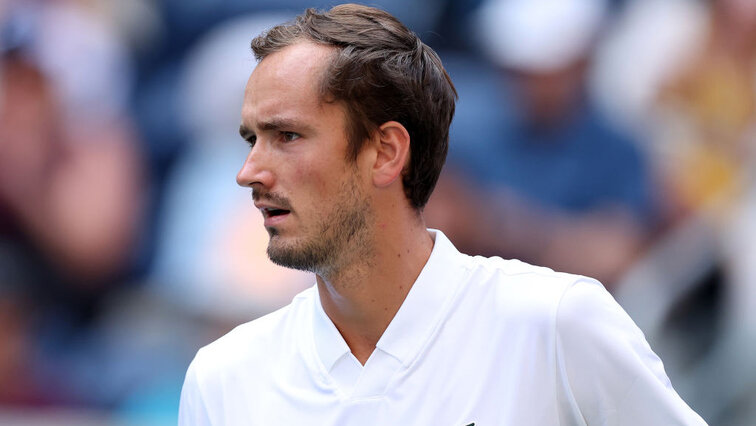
(315, 181)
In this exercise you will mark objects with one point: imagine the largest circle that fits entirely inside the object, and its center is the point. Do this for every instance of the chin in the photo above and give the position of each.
(287, 254)
(307, 256)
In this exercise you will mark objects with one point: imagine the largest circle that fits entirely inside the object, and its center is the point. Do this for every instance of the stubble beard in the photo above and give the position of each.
(335, 241)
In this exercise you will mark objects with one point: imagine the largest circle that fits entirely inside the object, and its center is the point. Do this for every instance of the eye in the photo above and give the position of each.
(290, 136)
(251, 140)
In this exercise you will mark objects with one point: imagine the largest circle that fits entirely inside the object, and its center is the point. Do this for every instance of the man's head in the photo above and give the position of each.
(347, 115)
(380, 71)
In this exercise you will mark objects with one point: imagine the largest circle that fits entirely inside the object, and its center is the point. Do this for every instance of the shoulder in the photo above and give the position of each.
(590, 321)
(519, 282)
(242, 363)
(606, 366)
(512, 290)
(251, 343)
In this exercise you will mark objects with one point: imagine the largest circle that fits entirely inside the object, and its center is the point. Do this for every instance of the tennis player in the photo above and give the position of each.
(347, 117)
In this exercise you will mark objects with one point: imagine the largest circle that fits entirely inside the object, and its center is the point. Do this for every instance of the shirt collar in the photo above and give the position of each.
(417, 319)
(328, 341)
(427, 303)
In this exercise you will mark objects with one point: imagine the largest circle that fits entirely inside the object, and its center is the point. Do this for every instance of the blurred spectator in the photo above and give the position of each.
(683, 73)
(650, 40)
(540, 174)
(67, 143)
(708, 110)
(70, 179)
(69, 192)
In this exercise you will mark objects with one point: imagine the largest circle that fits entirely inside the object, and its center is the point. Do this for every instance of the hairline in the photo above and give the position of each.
(322, 91)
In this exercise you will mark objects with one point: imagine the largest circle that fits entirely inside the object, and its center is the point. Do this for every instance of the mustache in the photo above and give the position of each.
(273, 198)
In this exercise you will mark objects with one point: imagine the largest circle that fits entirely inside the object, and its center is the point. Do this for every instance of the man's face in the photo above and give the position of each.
(312, 198)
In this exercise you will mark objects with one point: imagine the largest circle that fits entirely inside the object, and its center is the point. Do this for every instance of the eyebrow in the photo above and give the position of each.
(274, 124)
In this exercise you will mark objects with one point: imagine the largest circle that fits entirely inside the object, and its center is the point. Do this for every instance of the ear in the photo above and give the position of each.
(393, 152)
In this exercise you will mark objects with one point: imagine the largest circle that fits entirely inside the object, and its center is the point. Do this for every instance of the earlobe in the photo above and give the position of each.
(393, 151)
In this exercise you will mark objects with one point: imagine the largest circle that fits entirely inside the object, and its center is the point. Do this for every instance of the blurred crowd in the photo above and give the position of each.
(608, 138)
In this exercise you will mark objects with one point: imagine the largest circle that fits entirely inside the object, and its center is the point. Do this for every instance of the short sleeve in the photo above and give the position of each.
(192, 408)
(610, 370)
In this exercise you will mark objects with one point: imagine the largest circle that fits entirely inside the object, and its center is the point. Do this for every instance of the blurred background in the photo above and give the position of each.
(608, 138)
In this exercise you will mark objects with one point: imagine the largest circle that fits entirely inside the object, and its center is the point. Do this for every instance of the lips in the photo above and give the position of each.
(273, 212)
(274, 208)
(273, 215)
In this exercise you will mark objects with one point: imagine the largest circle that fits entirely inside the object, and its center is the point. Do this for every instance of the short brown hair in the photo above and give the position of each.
(382, 72)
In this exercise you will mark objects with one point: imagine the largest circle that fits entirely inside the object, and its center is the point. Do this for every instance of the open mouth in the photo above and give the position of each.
(274, 212)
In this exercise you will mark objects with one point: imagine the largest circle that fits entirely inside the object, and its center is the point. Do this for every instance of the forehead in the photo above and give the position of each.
(287, 81)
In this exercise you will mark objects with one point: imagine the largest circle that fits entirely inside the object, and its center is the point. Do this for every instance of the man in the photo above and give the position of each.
(347, 117)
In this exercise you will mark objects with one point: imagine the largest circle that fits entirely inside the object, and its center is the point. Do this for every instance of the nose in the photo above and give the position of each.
(256, 169)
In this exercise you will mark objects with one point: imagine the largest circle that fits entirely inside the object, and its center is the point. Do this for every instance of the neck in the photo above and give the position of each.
(362, 297)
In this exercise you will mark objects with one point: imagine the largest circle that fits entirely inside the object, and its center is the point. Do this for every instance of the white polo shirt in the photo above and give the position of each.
(480, 341)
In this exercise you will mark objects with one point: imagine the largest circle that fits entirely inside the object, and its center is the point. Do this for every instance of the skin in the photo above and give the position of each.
(298, 161)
